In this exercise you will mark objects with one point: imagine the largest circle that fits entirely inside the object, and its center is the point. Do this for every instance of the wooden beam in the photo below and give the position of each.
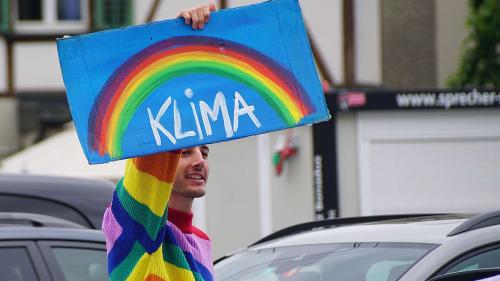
(90, 7)
(348, 46)
(152, 11)
(10, 68)
(222, 4)
(14, 37)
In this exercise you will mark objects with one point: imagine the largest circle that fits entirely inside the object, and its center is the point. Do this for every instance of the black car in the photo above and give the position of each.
(41, 248)
(79, 200)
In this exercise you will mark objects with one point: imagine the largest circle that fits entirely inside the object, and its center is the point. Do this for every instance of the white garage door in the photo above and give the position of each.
(429, 161)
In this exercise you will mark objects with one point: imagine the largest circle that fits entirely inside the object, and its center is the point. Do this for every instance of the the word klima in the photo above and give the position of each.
(206, 113)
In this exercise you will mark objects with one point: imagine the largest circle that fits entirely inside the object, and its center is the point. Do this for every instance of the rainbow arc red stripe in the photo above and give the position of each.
(137, 78)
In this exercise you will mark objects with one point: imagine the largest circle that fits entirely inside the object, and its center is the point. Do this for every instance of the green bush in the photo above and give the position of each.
(480, 61)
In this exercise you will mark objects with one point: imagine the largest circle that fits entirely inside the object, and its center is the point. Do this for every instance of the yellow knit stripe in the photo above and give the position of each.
(179, 273)
(150, 265)
(138, 273)
(147, 189)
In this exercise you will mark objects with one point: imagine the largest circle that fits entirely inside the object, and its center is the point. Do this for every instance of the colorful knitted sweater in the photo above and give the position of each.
(141, 244)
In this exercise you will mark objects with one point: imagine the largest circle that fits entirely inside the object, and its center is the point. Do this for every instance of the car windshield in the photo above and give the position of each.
(341, 261)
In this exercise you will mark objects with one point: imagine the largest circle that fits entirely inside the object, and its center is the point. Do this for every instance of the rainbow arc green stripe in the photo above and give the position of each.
(141, 75)
(158, 79)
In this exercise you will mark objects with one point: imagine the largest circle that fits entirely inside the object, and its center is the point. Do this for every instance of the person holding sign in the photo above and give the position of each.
(148, 226)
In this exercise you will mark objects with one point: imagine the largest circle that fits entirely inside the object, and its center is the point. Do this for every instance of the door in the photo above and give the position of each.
(21, 261)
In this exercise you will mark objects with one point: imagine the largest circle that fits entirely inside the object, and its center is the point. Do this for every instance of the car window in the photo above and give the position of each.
(327, 262)
(489, 258)
(79, 264)
(16, 265)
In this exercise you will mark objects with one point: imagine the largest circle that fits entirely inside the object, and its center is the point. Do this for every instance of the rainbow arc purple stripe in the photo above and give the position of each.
(155, 65)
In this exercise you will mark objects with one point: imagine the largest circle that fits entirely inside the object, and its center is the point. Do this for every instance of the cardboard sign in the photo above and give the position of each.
(163, 86)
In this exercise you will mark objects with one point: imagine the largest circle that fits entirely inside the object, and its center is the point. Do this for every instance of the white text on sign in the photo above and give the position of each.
(206, 112)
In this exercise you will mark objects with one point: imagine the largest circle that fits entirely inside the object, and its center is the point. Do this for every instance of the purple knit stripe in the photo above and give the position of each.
(112, 229)
(198, 247)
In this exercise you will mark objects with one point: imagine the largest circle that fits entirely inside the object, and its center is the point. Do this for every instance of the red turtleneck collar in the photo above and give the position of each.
(183, 220)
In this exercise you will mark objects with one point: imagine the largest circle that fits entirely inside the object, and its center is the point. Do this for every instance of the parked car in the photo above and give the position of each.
(79, 200)
(381, 248)
(38, 247)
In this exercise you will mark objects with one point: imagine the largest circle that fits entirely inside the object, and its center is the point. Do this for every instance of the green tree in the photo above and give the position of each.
(480, 61)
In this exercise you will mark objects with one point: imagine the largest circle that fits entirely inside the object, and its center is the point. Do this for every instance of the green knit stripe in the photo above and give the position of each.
(174, 255)
(140, 212)
(122, 271)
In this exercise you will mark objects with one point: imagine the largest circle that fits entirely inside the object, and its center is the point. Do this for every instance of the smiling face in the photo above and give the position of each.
(192, 172)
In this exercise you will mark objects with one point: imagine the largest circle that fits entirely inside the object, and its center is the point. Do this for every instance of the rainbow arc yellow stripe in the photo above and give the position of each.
(124, 103)
(138, 77)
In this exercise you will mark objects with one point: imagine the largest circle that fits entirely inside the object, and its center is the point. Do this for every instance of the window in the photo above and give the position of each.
(80, 264)
(371, 261)
(16, 265)
(69, 10)
(485, 258)
(50, 16)
(4, 15)
(112, 13)
(29, 10)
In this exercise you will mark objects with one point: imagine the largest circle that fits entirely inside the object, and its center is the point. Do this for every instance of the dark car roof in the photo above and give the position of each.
(36, 220)
(88, 197)
(50, 233)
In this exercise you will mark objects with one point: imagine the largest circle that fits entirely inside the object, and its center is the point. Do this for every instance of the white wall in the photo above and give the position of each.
(368, 45)
(325, 23)
(37, 67)
(166, 9)
(324, 19)
(347, 169)
(9, 136)
(232, 202)
(236, 215)
(292, 193)
(434, 161)
(450, 33)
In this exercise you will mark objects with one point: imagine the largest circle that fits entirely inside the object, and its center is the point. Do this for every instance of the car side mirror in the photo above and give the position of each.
(473, 275)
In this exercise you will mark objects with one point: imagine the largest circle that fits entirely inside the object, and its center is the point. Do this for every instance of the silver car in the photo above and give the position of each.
(383, 248)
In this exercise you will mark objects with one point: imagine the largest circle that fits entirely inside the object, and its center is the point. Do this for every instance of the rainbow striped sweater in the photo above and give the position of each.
(141, 243)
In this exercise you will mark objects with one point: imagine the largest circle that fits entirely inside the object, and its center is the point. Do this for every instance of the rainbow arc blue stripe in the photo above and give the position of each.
(137, 78)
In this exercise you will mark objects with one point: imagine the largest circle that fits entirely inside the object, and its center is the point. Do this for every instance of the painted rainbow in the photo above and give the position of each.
(141, 74)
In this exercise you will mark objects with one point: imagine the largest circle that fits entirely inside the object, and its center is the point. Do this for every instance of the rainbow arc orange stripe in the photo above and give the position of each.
(139, 76)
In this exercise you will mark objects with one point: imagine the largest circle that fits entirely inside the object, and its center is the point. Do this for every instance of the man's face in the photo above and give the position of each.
(192, 172)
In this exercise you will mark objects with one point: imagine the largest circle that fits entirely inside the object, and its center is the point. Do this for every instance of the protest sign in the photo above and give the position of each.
(163, 86)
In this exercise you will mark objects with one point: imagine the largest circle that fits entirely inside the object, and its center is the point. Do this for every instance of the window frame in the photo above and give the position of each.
(49, 22)
(50, 259)
(33, 253)
(99, 16)
(465, 256)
